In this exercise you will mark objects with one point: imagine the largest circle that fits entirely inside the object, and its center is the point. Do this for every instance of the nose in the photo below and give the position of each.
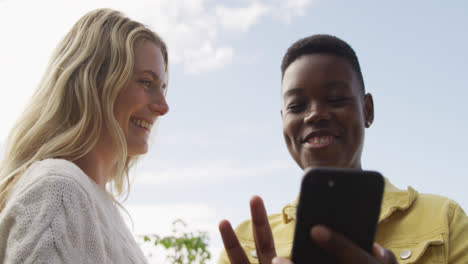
(317, 112)
(159, 105)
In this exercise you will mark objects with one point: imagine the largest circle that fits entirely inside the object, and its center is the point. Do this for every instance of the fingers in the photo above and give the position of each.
(346, 251)
(262, 235)
(233, 248)
(383, 255)
(262, 232)
(279, 260)
(379, 252)
(341, 248)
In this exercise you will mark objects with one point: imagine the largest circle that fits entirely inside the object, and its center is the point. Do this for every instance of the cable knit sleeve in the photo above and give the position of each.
(51, 221)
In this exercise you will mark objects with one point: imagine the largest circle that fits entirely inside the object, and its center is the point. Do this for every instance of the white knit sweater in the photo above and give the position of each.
(57, 214)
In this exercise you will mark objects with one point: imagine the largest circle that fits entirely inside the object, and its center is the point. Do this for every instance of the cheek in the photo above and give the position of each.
(357, 130)
(290, 130)
(132, 97)
(353, 118)
(125, 104)
(119, 105)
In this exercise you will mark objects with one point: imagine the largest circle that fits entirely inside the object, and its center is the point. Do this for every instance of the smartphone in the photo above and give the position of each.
(345, 200)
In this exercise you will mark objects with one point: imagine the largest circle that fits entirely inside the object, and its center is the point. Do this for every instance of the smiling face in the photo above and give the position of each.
(324, 112)
(139, 105)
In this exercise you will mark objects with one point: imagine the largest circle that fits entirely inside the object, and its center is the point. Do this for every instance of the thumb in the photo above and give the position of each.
(379, 252)
(279, 260)
(383, 255)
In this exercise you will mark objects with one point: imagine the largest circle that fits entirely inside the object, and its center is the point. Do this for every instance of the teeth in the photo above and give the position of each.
(320, 140)
(142, 123)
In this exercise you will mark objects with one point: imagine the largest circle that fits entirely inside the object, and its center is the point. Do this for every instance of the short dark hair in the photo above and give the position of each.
(322, 44)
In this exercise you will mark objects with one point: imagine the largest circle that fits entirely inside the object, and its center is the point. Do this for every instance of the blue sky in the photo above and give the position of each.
(222, 140)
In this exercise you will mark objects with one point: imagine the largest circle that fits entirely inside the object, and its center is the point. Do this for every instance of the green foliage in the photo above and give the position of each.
(184, 247)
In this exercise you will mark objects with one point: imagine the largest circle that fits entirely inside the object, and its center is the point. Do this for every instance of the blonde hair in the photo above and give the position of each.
(75, 98)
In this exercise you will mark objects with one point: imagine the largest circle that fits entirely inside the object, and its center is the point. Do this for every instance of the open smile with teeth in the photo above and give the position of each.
(319, 141)
(141, 123)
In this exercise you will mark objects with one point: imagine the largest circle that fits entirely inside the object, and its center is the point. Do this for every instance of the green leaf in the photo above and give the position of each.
(183, 247)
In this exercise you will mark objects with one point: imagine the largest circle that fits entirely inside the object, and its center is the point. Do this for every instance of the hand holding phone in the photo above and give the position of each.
(346, 201)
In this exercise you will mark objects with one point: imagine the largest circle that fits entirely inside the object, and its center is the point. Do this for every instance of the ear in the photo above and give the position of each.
(368, 110)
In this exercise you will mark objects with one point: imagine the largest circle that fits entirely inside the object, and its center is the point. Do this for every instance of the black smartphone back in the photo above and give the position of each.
(346, 200)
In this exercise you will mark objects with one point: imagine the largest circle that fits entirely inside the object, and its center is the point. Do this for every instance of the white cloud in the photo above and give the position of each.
(241, 18)
(288, 9)
(207, 58)
(296, 6)
(190, 27)
(209, 172)
(187, 26)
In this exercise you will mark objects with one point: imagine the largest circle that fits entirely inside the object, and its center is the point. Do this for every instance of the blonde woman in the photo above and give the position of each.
(84, 127)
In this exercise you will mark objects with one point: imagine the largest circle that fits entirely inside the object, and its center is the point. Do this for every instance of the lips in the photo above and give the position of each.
(319, 139)
(320, 142)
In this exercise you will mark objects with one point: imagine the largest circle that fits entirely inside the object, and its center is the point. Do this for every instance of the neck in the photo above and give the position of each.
(98, 163)
(356, 166)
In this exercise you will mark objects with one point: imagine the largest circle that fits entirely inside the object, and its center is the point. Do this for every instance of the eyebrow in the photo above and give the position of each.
(336, 84)
(293, 91)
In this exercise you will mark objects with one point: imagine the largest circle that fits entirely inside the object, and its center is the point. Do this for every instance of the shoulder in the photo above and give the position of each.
(432, 204)
(428, 228)
(56, 175)
(436, 210)
(443, 212)
(408, 204)
(50, 184)
(49, 210)
(63, 169)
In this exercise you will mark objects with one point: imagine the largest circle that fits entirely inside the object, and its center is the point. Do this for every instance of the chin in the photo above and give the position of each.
(136, 151)
(331, 164)
(322, 163)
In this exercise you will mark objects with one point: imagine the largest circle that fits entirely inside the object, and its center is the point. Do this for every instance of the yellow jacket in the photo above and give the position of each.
(418, 228)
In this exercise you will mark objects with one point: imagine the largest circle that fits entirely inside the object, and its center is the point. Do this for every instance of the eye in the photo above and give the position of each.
(147, 83)
(296, 107)
(337, 100)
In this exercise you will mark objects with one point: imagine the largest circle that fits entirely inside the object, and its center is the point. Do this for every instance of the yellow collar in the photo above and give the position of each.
(289, 212)
(394, 199)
